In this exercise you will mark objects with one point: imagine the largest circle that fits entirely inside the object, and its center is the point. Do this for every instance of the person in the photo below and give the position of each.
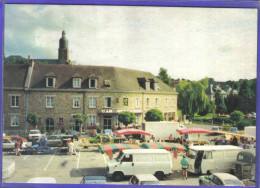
(17, 148)
(71, 148)
(224, 140)
(170, 138)
(152, 138)
(184, 164)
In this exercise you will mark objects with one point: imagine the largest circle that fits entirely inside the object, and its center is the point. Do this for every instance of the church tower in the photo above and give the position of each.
(63, 50)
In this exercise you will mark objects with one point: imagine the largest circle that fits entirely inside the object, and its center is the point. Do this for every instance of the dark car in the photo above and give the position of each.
(94, 180)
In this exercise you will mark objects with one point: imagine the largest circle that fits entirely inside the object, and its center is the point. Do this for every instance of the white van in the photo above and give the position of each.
(212, 158)
(140, 161)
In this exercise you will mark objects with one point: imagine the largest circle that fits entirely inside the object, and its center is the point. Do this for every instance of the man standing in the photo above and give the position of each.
(184, 164)
(170, 138)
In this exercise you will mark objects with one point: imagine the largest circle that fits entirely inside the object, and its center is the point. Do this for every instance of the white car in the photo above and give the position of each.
(220, 179)
(144, 179)
(42, 180)
(36, 134)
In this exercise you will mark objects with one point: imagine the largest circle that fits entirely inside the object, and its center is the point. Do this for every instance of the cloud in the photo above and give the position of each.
(189, 42)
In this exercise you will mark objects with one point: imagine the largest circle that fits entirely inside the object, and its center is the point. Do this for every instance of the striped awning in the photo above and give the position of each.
(164, 145)
(108, 148)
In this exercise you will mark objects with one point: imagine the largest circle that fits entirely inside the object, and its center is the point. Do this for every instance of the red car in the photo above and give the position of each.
(15, 137)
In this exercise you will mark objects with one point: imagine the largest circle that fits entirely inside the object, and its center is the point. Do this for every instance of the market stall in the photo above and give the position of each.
(164, 145)
(110, 148)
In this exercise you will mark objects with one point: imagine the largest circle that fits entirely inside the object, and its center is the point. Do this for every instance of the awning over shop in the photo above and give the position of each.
(164, 145)
(193, 130)
(132, 131)
(108, 148)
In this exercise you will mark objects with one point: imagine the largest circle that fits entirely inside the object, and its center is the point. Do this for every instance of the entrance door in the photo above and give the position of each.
(107, 122)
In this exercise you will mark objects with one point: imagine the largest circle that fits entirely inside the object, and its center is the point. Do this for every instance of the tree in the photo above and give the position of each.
(236, 116)
(33, 119)
(80, 118)
(192, 97)
(126, 118)
(220, 103)
(231, 102)
(154, 115)
(163, 75)
(210, 108)
(247, 100)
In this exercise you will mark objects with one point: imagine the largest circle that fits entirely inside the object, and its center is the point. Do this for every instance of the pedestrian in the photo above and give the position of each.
(184, 164)
(71, 148)
(251, 146)
(170, 138)
(17, 148)
(152, 138)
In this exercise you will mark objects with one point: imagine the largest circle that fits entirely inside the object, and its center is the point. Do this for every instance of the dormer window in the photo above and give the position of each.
(107, 83)
(76, 82)
(50, 82)
(92, 83)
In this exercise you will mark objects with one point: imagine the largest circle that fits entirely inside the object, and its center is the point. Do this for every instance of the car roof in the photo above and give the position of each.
(146, 177)
(139, 151)
(225, 176)
(42, 180)
(215, 147)
(95, 178)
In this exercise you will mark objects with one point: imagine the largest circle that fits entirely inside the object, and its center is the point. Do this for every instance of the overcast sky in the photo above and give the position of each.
(191, 43)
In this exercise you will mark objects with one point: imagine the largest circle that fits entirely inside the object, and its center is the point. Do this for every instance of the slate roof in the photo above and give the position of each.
(15, 75)
(121, 78)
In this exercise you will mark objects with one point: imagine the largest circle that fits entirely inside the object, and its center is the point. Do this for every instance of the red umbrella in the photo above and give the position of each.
(193, 130)
(132, 131)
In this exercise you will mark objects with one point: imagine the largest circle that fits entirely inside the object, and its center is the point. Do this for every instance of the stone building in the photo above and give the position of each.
(58, 91)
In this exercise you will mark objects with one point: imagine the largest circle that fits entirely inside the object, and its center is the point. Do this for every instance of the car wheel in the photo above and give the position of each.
(118, 176)
(160, 175)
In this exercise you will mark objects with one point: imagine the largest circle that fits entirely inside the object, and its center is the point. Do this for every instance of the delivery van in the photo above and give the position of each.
(245, 164)
(212, 158)
(140, 161)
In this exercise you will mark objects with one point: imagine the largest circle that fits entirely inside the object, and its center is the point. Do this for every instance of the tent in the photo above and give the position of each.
(109, 148)
(164, 145)
(193, 130)
(132, 131)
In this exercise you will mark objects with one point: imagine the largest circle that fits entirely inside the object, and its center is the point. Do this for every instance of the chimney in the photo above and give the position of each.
(31, 62)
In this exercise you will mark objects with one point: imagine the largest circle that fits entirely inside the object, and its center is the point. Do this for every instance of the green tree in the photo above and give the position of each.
(126, 118)
(192, 97)
(80, 118)
(210, 108)
(231, 102)
(220, 103)
(247, 100)
(16, 60)
(236, 116)
(163, 75)
(33, 119)
(43, 130)
(154, 115)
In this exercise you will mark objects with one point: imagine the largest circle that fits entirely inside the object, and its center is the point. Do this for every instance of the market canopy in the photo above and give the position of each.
(193, 130)
(108, 148)
(132, 131)
(164, 145)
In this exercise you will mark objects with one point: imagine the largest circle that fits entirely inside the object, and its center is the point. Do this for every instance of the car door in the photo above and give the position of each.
(207, 162)
(127, 164)
(8, 144)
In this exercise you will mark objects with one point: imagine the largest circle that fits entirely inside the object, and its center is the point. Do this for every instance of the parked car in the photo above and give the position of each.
(233, 130)
(75, 134)
(8, 144)
(55, 140)
(94, 180)
(144, 179)
(18, 138)
(42, 180)
(34, 134)
(220, 179)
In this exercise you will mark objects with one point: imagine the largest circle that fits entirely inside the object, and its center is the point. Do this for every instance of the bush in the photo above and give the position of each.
(226, 127)
(43, 130)
(236, 116)
(98, 129)
(220, 120)
(154, 115)
(63, 129)
(245, 122)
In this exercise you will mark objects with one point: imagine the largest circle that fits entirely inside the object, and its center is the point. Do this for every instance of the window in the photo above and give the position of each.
(137, 103)
(14, 101)
(173, 101)
(92, 119)
(92, 102)
(137, 121)
(108, 102)
(127, 158)
(49, 102)
(147, 102)
(76, 102)
(125, 101)
(14, 121)
(92, 83)
(76, 82)
(50, 82)
(166, 101)
(107, 122)
(156, 102)
(49, 124)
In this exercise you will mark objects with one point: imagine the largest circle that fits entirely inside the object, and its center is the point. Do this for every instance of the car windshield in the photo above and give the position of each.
(243, 158)
(34, 132)
(120, 155)
(214, 129)
(150, 183)
(191, 154)
(233, 183)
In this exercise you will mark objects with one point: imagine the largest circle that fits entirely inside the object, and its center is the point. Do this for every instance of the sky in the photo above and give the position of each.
(191, 43)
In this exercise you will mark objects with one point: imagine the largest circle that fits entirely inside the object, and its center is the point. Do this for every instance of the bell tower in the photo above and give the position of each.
(63, 50)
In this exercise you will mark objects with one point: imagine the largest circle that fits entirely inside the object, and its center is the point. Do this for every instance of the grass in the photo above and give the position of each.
(208, 116)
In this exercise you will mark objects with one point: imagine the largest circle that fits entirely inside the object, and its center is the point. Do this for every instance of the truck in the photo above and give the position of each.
(140, 161)
(162, 130)
(250, 131)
